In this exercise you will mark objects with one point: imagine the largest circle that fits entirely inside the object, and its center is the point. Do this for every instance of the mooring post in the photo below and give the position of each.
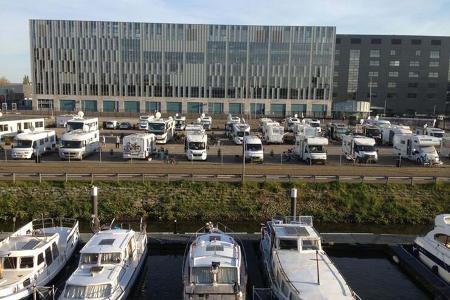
(94, 197)
(293, 202)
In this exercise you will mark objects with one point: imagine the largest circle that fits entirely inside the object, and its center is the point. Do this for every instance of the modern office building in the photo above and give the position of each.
(402, 74)
(189, 68)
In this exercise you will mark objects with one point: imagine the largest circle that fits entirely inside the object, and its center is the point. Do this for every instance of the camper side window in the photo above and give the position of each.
(402, 142)
(41, 142)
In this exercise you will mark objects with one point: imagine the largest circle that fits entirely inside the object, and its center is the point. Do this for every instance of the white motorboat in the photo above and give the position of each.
(295, 263)
(109, 264)
(33, 255)
(214, 267)
(433, 249)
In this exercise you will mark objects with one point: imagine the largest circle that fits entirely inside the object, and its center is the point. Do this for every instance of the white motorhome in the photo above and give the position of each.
(61, 121)
(431, 131)
(139, 145)
(445, 147)
(419, 148)
(194, 128)
(253, 149)
(388, 133)
(313, 123)
(77, 144)
(206, 121)
(195, 145)
(180, 122)
(12, 125)
(264, 122)
(28, 145)
(143, 122)
(231, 120)
(239, 131)
(359, 148)
(311, 148)
(273, 133)
(304, 129)
(163, 129)
(80, 123)
(291, 123)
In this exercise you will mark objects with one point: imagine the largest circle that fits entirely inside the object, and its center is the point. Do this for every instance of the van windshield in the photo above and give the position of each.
(314, 124)
(71, 144)
(197, 146)
(74, 125)
(243, 133)
(438, 134)
(316, 149)
(254, 147)
(23, 144)
(365, 148)
(156, 127)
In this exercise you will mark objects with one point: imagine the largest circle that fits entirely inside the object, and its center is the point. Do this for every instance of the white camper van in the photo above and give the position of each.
(195, 145)
(77, 144)
(28, 145)
(359, 148)
(80, 123)
(311, 148)
(143, 121)
(61, 120)
(206, 121)
(239, 131)
(163, 129)
(12, 125)
(139, 145)
(431, 131)
(253, 149)
(445, 147)
(388, 133)
(231, 120)
(313, 123)
(180, 122)
(419, 148)
(273, 133)
(291, 122)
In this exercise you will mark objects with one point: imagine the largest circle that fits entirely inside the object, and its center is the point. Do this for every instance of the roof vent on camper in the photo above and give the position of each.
(296, 116)
(203, 115)
(80, 114)
(158, 115)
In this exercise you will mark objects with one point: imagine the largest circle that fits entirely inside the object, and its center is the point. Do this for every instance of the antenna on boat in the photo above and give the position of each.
(317, 265)
(43, 224)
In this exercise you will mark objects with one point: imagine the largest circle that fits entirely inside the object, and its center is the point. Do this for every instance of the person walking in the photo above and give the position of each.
(117, 142)
(103, 140)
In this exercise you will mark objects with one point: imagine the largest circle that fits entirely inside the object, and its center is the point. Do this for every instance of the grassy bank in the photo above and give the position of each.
(330, 202)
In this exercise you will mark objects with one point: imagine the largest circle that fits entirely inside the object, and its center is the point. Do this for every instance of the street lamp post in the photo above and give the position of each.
(243, 160)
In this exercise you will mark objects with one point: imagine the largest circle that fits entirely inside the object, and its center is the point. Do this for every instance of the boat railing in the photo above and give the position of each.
(285, 275)
(54, 222)
(301, 220)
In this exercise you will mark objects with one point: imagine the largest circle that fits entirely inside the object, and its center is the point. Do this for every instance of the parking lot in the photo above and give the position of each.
(223, 157)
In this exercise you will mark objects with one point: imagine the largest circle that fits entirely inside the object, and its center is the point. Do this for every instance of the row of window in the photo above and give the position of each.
(26, 125)
(391, 95)
(192, 107)
(28, 262)
(394, 41)
(376, 53)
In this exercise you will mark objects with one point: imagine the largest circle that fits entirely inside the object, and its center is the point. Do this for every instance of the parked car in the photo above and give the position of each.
(112, 124)
(125, 125)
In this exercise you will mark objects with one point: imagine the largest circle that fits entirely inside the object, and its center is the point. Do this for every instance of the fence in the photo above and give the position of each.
(168, 177)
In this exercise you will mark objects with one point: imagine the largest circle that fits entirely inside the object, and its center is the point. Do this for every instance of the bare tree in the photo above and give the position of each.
(4, 81)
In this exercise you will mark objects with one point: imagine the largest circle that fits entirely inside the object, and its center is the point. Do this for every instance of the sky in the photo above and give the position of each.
(410, 17)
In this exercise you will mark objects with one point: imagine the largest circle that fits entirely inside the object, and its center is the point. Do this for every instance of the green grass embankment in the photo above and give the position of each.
(330, 202)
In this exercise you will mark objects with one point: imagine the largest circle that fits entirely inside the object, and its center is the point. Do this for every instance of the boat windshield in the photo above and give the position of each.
(156, 127)
(71, 144)
(316, 149)
(87, 292)
(254, 147)
(110, 258)
(89, 258)
(197, 146)
(309, 244)
(226, 275)
(288, 244)
(8, 263)
(23, 144)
